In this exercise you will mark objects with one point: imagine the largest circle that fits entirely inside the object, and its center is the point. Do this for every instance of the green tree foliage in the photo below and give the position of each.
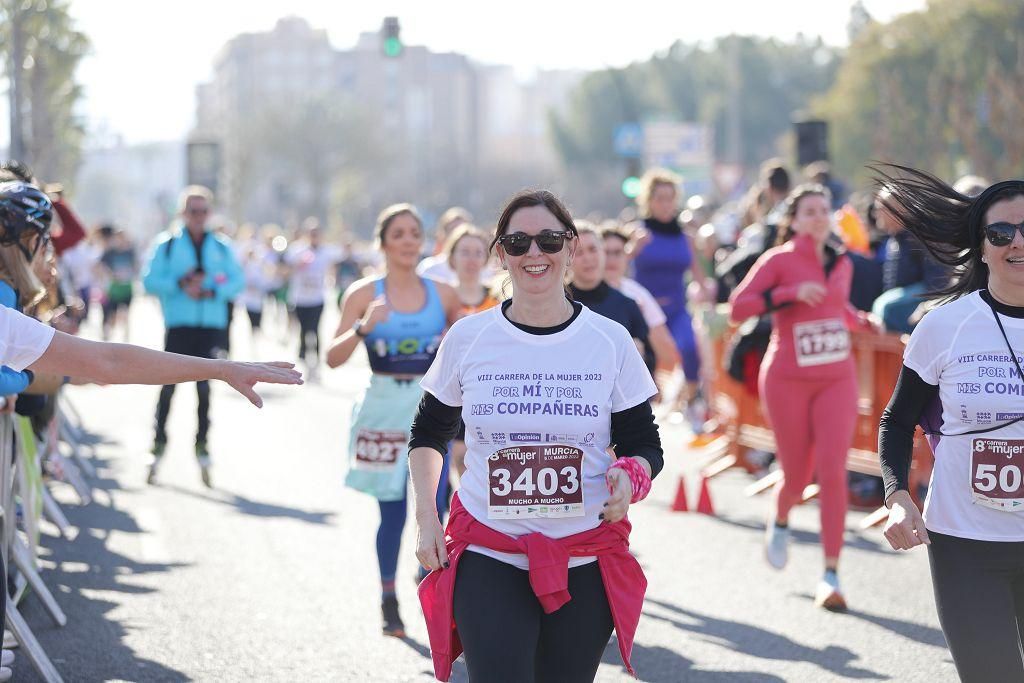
(41, 50)
(942, 89)
(767, 81)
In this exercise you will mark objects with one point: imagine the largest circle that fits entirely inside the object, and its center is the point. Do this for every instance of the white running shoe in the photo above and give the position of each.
(10, 642)
(5, 673)
(204, 470)
(828, 594)
(776, 544)
(7, 658)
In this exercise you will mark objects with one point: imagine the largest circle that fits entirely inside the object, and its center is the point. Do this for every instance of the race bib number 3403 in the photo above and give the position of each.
(541, 481)
(997, 467)
(379, 449)
(821, 341)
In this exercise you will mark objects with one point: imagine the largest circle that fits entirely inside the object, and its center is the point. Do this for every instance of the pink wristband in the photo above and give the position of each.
(638, 477)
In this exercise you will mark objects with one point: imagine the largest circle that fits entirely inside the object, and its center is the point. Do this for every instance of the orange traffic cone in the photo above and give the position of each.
(679, 504)
(704, 505)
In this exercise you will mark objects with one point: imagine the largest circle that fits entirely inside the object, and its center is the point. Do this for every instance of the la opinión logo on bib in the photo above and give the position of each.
(524, 436)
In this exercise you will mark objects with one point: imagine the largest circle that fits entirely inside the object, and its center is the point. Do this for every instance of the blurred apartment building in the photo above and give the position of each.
(304, 128)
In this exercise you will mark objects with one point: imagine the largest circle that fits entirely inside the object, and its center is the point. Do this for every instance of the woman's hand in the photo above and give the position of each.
(430, 547)
(376, 312)
(905, 527)
(621, 488)
(243, 376)
(811, 293)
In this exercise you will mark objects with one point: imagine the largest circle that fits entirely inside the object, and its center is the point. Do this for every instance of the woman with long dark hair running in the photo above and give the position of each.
(962, 379)
(533, 570)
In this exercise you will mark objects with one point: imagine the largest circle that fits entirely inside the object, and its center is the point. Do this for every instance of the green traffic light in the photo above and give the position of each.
(631, 187)
(392, 47)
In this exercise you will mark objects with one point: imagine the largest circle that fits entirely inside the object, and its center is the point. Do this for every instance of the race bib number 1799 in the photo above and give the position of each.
(821, 341)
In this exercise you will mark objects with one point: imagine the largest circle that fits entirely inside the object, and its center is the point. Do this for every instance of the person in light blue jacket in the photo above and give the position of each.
(194, 273)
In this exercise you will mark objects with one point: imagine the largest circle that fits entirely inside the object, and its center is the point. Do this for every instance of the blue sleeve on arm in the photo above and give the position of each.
(156, 276)
(235, 283)
(12, 381)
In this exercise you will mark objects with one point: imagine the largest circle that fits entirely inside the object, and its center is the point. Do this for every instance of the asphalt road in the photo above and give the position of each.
(271, 575)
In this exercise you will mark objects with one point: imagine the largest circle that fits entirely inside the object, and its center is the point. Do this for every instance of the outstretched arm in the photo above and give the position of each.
(128, 364)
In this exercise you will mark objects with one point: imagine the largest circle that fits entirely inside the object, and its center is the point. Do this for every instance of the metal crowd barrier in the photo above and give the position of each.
(22, 487)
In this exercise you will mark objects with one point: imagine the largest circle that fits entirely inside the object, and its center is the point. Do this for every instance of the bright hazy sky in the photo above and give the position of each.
(147, 56)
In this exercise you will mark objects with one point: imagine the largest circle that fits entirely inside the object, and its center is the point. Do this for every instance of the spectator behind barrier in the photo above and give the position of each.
(909, 273)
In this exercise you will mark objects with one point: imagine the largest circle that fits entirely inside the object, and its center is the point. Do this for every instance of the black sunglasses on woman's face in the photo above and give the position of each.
(1001, 234)
(548, 241)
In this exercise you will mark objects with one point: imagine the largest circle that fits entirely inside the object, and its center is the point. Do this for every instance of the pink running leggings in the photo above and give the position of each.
(813, 421)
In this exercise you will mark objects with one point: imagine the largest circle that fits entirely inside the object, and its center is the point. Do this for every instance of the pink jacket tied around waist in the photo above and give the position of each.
(624, 580)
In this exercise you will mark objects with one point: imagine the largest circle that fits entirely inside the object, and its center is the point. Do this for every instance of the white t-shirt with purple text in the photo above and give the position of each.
(538, 411)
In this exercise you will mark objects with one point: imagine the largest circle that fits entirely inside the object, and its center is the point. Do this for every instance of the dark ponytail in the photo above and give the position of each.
(949, 224)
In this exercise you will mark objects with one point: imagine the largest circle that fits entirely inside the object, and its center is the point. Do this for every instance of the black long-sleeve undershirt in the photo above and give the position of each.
(896, 428)
(633, 431)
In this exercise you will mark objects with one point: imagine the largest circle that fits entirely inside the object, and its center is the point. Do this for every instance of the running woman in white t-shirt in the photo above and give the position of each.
(545, 387)
(962, 380)
(308, 264)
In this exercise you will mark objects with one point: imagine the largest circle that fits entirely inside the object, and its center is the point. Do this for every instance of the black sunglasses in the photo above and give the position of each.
(1001, 234)
(548, 241)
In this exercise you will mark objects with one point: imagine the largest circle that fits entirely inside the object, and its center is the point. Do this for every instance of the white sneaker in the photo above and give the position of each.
(776, 544)
(10, 642)
(828, 594)
(5, 673)
(7, 658)
(204, 471)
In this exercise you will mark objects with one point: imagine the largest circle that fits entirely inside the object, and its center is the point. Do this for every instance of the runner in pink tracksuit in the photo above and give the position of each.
(808, 380)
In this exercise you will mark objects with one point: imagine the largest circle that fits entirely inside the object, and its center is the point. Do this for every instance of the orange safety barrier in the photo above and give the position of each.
(743, 426)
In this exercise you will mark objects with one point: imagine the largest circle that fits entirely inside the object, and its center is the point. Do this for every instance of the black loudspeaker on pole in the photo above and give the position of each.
(811, 141)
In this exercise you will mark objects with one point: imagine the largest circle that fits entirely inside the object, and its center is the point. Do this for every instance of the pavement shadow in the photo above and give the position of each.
(658, 664)
(459, 672)
(926, 635)
(852, 539)
(92, 646)
(251, 507)
(758, 642)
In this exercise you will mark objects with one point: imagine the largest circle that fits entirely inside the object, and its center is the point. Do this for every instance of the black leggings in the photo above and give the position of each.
(309, 325)
(979, 593)
(202, 342)
(508, 637)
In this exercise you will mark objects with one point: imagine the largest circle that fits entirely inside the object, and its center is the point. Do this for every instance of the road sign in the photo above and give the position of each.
(628, 140)
(676, 145)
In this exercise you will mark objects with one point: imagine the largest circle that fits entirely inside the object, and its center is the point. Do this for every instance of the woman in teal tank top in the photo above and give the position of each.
(400, 318)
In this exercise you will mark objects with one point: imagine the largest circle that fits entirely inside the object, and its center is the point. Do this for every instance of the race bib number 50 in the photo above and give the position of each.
(821, 341)
(540, 481)
(378, 449)
(996, 473)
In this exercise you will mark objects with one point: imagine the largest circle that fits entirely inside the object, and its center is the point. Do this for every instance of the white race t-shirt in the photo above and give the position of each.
(538, 411)
(258, 266)
(653, 315)
(309, 273)
(437, 268)
(22, 339)
(977, 486)
(79, 263)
